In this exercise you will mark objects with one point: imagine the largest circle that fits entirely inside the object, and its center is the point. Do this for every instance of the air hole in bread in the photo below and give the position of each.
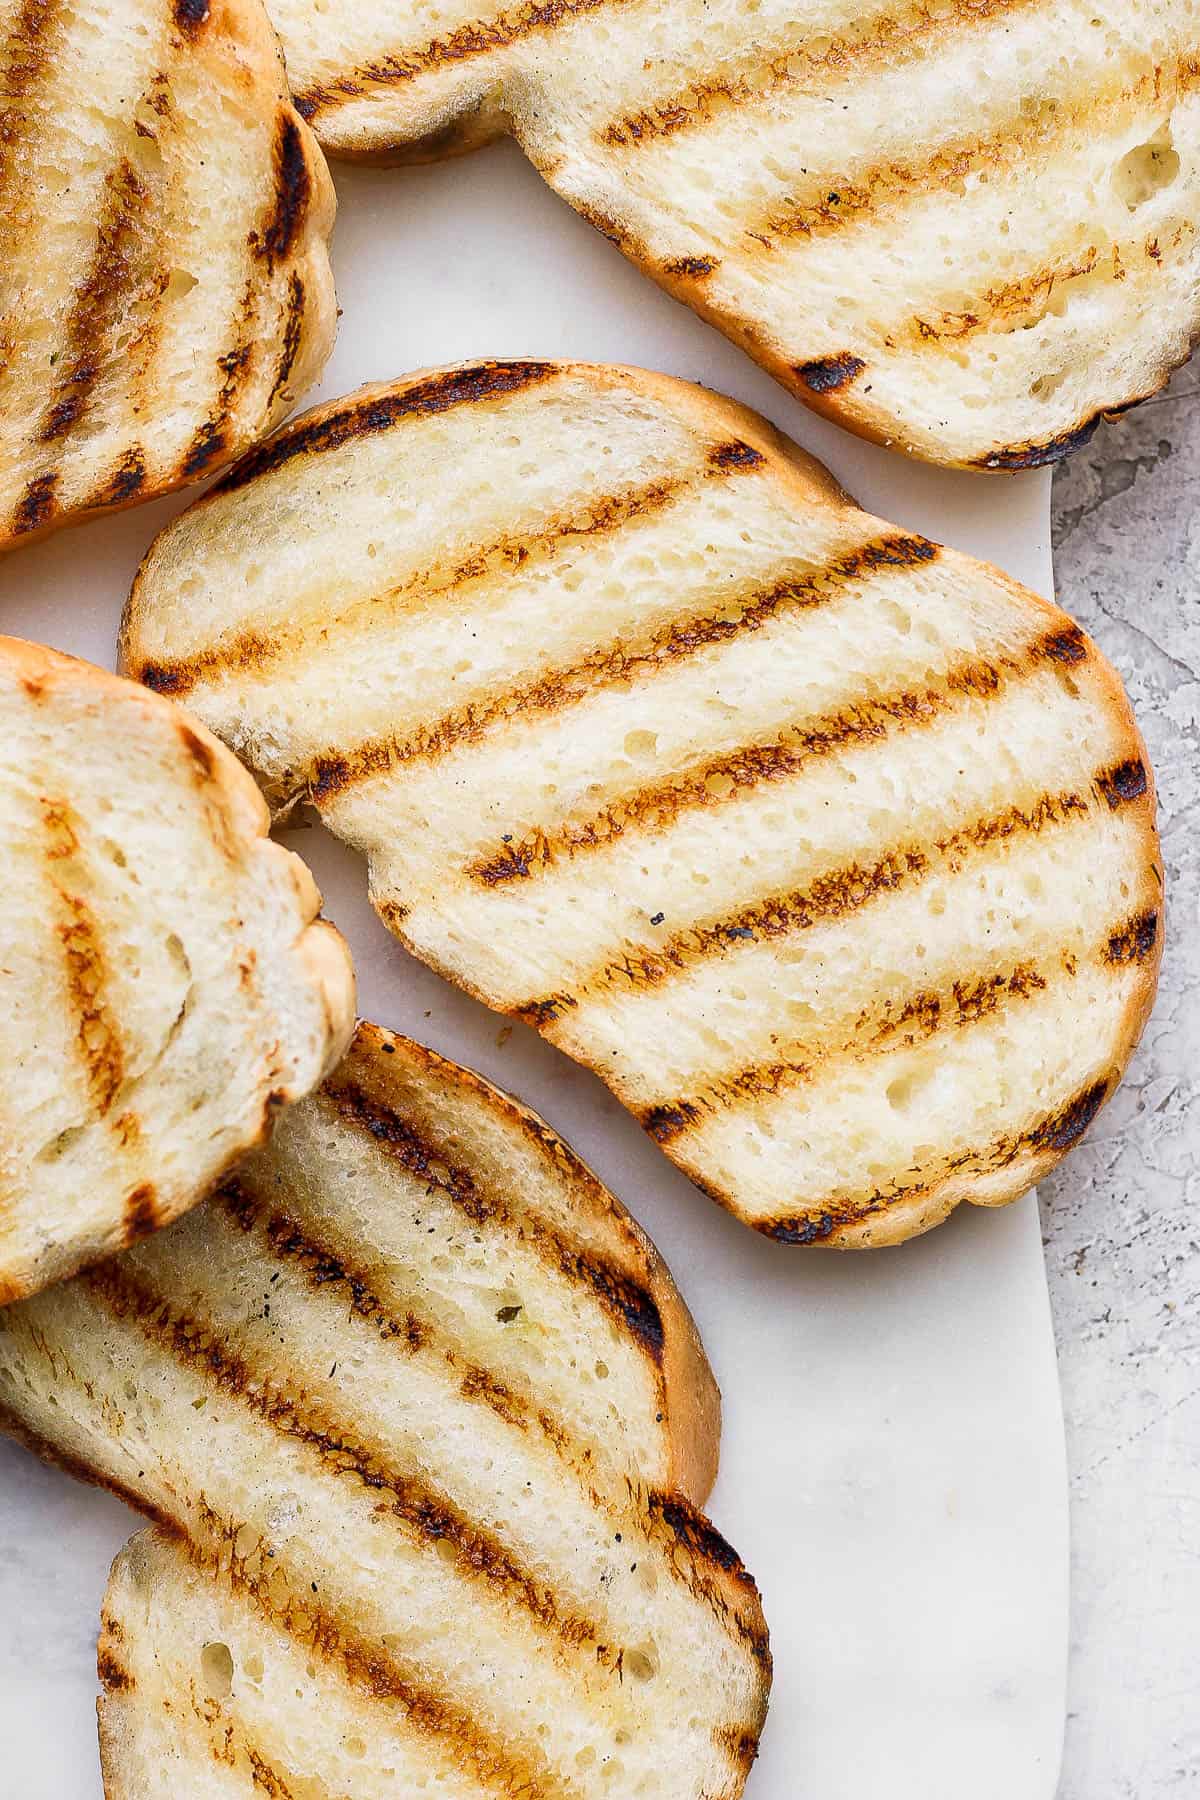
(216, 1671)
(1147, 169)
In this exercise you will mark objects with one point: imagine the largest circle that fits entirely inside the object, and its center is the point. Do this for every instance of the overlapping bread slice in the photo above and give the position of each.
(163, 987)
(968, 227)
(427, 1421)
(831, 850)
(165, 291)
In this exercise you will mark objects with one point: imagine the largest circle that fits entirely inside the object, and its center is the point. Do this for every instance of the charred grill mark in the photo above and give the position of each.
(293, 192)
(1053, 1134)
(1134, 941)
(478, 37)
(735, 455)
(627, 660)
(191, 16)
(126, 480)
(830, 373)
(730, 777)
(895, 1025)
(141, 1213)
(211, 439)
(363, 418)
(102, 299)
(588, 516)
(830, 897)
(324, 1266)
(98, 1033)
(498, 1765)
(26, 59)
(622, 1298)
(427, 1515)
(693, 268)
(740, 1744)
(115, 1678)
(697, 1542)
(1029, 135)
(36, 505)
(293, 336)
(800, 60)
(1124, 783)
(1042, 454)
(1064, 1128)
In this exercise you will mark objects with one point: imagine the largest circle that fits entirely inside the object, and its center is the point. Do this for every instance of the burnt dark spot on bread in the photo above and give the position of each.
(293, 191)
(1134, 942)
(36, 505)
(191, 15)
(735, 455)
(1124, 782)
(829, 373)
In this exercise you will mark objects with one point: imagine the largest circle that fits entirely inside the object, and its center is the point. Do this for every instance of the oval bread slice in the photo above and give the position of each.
(965, 227)
(165, 292)
(831, 850)
(428, 1423)
(164, 989)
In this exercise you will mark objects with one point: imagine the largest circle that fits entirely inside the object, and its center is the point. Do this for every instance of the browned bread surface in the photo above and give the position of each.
(165, 292)
(425, 1423)
(832, 850)
(165, 988)
(966, 227)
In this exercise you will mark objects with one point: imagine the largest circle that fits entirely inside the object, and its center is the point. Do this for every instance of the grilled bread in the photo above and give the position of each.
(832, 851)
(163, 989)
(165, 291)
(427, 1421)
(968, 227)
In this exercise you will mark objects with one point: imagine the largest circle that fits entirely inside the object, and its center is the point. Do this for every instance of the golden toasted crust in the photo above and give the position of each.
(875, 203)
(171, 302)
(116, 1123)
(623, 788)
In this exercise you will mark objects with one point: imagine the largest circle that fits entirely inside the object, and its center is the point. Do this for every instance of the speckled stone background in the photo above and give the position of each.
(1122, 1219)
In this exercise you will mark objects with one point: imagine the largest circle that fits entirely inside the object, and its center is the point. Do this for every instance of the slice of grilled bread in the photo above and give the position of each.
(428, 1420)
(968, 227)
(163, 988)
(165, 291)
(832, 851)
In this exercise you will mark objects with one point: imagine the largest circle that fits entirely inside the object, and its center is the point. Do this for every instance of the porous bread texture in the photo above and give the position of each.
(830, 849)
(413, 1394)
(165, 288)
(964, 227)
(164, 988)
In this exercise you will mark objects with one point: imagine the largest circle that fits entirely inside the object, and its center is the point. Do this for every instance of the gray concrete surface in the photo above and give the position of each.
(1120, 1220)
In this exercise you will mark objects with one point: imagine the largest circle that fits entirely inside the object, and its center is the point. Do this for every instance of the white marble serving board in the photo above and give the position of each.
(893, 1466)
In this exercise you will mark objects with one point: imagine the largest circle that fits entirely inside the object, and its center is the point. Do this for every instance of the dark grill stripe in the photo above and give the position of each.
(729, 777)
(330, 429)
(1025, 138)
(310, 1249)
(258, 650)
(619, 663)
(1052, 1132)
(628, 1304)
(837, 895)
(965, 1002)
(479, 37)
(27, 59)
(886, 40)
(428, 1516)
(496, 1764)
(99, 1041)
(101, 302)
